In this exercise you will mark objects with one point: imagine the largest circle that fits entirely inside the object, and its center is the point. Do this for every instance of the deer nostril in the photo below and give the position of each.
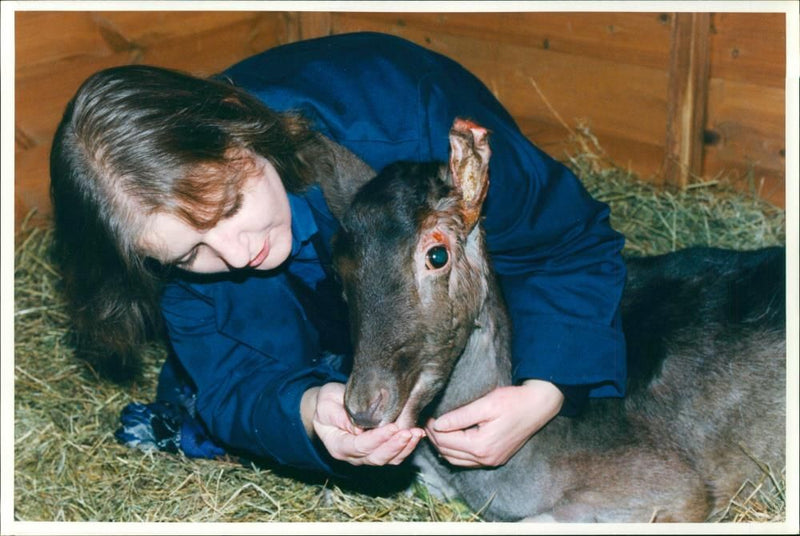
(376, 406)
(373, 415)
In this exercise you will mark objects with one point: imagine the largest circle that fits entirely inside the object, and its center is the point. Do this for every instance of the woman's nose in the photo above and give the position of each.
(233, 248)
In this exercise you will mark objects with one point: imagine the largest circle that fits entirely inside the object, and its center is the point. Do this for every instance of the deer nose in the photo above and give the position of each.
(372, 415)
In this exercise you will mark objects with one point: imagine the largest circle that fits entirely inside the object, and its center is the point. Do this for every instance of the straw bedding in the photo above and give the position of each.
(68, 467)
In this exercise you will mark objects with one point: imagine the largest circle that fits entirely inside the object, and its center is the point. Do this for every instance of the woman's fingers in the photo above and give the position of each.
(367, 442)
(416, 435)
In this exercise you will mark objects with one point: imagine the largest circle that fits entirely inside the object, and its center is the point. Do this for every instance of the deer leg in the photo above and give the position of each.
(629, 485)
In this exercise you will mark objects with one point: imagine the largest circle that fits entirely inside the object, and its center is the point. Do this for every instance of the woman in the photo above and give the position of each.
(197, 202)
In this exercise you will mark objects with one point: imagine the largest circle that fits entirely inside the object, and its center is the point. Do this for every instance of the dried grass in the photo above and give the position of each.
(68, 467)
(661, 219)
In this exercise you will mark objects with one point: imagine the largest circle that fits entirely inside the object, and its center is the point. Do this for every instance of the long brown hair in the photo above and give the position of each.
(135, 140)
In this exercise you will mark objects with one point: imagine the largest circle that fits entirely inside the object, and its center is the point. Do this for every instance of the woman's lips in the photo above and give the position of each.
(258, 259)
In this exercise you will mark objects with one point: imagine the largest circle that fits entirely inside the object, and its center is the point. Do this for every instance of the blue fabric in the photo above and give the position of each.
(150, 427)
(167, 426)
(251, 346)
(171, 423)
(557, 258)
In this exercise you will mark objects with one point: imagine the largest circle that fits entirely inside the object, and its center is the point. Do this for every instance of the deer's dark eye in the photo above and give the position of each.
(436, 257)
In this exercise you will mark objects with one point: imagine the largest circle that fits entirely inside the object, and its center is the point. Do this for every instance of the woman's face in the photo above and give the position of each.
(258, 236)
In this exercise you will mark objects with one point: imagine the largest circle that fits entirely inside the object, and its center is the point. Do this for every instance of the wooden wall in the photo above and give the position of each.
(610, 71)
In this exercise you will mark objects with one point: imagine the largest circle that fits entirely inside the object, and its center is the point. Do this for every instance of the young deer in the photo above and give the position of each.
(705, 331)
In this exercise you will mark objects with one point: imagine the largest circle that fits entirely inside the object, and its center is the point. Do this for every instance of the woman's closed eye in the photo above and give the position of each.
(187, 260)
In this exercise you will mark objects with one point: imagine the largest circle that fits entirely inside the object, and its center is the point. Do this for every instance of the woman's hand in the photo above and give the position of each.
(488, 431)
(324, 415)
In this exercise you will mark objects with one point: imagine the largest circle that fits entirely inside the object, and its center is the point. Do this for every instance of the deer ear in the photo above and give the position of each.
(469, 166)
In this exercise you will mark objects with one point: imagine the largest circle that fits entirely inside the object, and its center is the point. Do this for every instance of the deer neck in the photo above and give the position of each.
(485, 362)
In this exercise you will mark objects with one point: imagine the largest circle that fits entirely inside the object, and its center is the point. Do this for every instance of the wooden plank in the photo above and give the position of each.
(687, 96)
(746, 123)
(146, 28)
(748, 177)
(643, 159)
(746, 137)
(749, 47)
(32, 185)
(208, 52)
(314, 24)
(42, 93)
(43, 38)
(41, 99)
(103, 34)
(635, 38)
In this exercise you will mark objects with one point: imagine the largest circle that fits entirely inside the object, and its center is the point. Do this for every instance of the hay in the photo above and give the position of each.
(658, 220)
(70, 468)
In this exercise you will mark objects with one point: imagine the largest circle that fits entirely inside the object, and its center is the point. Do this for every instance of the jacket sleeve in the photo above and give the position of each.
(228, 338)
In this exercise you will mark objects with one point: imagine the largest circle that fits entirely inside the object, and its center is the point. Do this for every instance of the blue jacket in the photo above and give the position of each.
(253, 345)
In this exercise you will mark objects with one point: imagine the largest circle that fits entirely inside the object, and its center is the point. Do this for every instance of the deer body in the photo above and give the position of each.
(705, 333)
